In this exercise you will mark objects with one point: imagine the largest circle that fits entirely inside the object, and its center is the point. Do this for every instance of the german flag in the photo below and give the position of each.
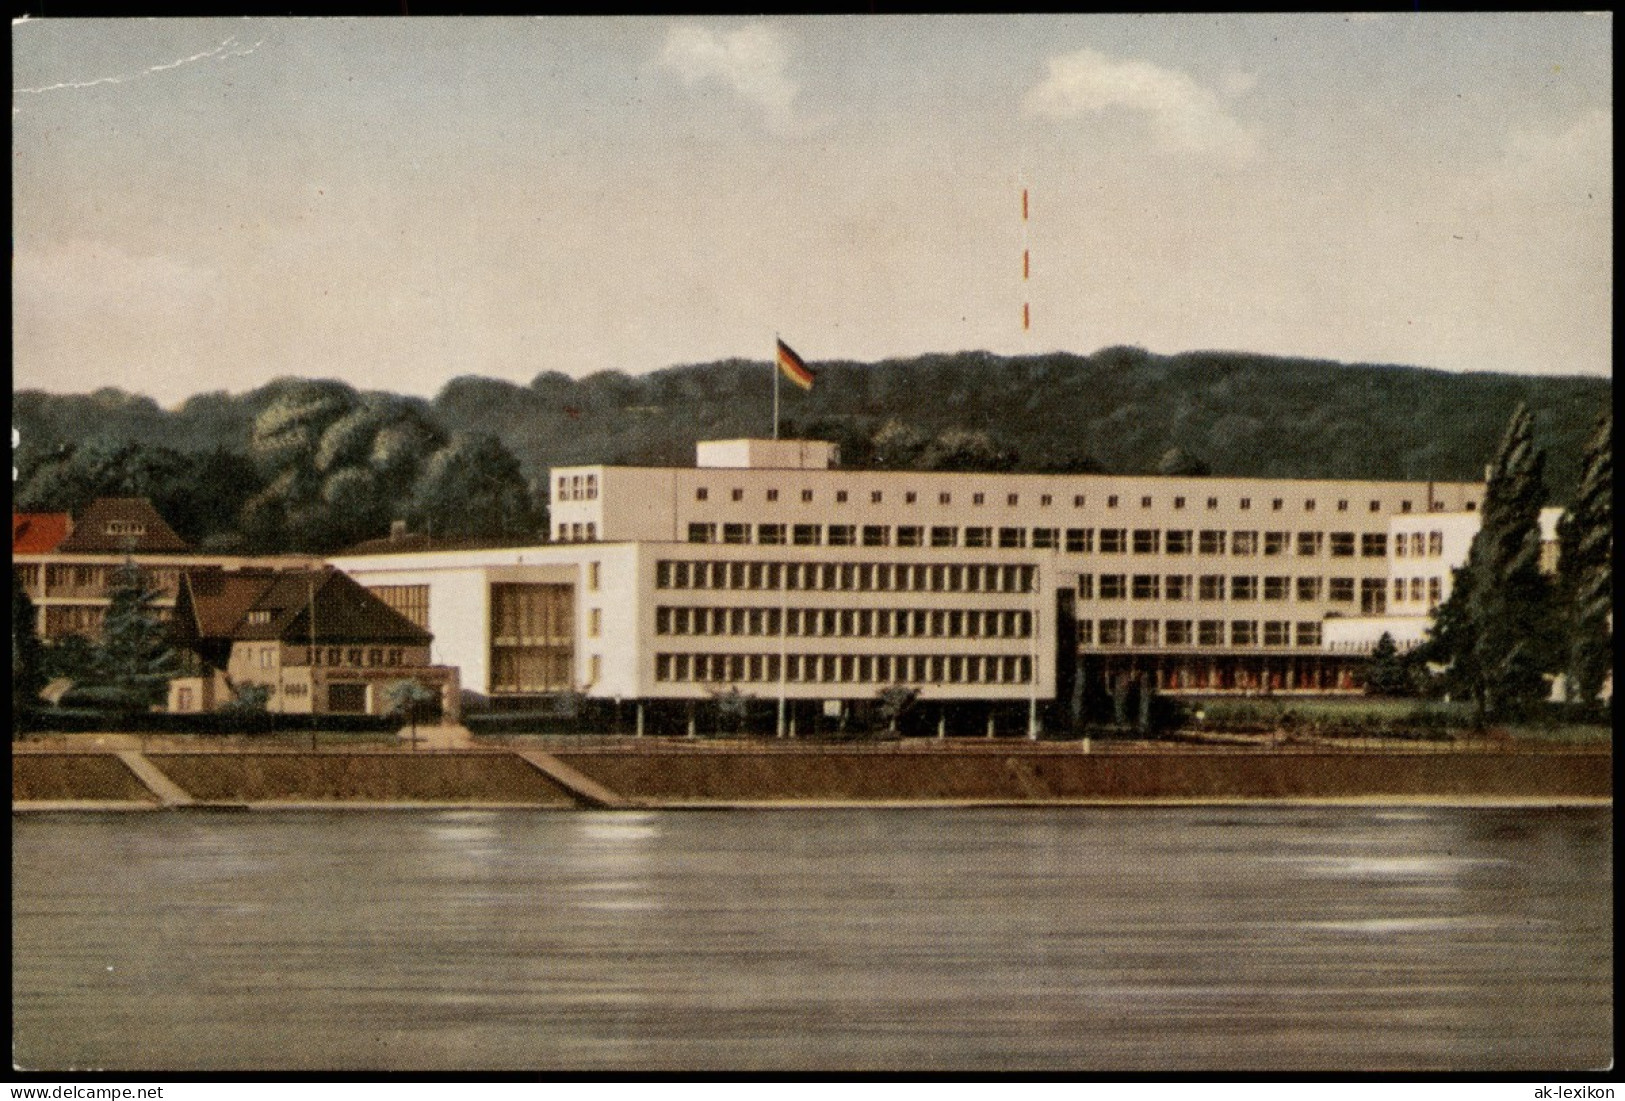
(794, 369)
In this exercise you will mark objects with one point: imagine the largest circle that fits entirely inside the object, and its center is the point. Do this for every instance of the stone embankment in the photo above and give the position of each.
(655, 774)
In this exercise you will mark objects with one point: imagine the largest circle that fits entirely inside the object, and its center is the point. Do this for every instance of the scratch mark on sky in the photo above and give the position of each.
(228, 48)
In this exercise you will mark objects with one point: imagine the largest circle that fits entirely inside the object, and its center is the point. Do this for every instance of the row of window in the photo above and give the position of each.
(1241, 544)
(336, 656)
(846, 622)
(845, 576)
(1200, 632)
(577, 533)
(577, 487)
(1213, 586)
(845, 668)
(1045, 500)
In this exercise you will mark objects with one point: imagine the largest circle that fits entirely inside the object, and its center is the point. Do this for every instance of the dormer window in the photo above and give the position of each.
(259, 618)
(125, 527)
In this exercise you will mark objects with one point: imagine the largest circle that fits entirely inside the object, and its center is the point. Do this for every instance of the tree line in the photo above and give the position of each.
(1508, 626)
(313, 464)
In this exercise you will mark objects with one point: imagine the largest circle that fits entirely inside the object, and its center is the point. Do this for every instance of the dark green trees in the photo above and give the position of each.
(1498, 633)
(1585, 568)
(27, 675)
(1389, 674)
(473, 487)
(134, 661)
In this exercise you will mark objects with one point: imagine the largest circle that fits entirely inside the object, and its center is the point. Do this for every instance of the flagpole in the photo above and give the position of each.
(775, 366)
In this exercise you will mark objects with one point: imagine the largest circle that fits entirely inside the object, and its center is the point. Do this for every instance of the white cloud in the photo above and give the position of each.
(1183, 115)
(750, 60)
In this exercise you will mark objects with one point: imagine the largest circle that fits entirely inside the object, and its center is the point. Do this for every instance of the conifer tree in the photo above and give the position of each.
(134, 661)
(27, 675)
(1585, 567)
(1388, 675)
(1510, 602)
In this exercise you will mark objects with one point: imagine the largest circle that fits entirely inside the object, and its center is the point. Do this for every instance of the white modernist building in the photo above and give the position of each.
(768, 569)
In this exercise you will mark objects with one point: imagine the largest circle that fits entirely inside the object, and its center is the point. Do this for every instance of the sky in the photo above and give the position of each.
(209, 204)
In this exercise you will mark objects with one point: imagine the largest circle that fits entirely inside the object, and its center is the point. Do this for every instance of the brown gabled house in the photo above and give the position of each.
(122, 525)
(315, 639)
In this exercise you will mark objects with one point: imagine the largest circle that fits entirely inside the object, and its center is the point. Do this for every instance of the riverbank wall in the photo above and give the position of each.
(671, 776)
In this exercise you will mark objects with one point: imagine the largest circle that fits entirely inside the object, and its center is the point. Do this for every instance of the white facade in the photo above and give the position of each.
(828, 583)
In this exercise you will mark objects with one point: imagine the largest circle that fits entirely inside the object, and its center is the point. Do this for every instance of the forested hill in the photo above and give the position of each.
(1120, 410)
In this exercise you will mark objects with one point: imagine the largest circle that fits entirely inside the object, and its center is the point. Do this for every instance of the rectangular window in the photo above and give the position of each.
(1210, 586)
(910, 535)
(978, 537)
(1145, 632)
(910, 497)
(1341, 590)
(1400, 543)
(738, 494)
(1179, 542)
(595, 622)
(1177, 586)
(1210, 632)
(1308, 588)
(1244, 543)
(1243, 632)
(1243, 588)
(843, 535)
(1342, 544)
(702, 533)
(978, 498)
(840, 496)
(736, 533)
(1373, 596)
(1086, 632)
(1111, 500)
(1275, 542)
(1012, 538)
(944, 537)
(1046, 538)
(1417, 544)
(1179, 502)
(701, 493)
(806, 496)
(806, 535)
(1086, 586)
(1147, 540)
(1080, 540)
(1276, 633)
(1045, 500)
(1211, 542)
(1275, 588)
(1113, 540)
(1013, 500)
(945, 498)
(772, 495)
(1113, 586)
(876, 535)
(1309, 633)
(771, 535)
(874, 497)
(1111, 632)
(1078, 500)
(1434, 588)
(1435, 544)
(1374, 544)
(1177, 632)
(1147, 586)
(1309, 543)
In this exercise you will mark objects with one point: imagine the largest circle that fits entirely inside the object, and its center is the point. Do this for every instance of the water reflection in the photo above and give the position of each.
(1075, 939)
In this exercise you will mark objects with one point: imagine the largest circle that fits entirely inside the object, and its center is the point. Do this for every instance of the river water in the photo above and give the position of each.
(1077, 939)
